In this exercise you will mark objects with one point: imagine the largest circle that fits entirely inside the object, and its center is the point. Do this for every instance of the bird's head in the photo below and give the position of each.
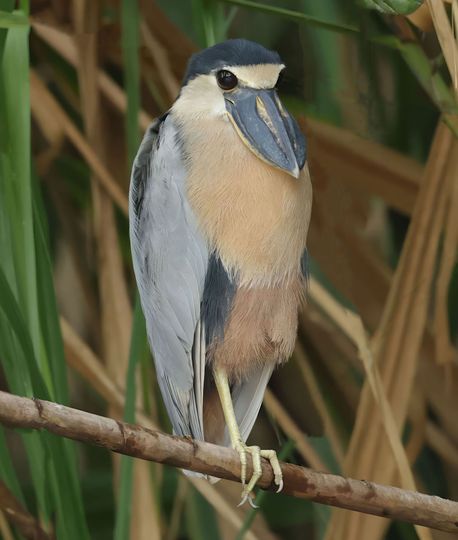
(237, 80)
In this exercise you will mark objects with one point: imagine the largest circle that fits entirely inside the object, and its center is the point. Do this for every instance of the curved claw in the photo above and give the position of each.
(247, 497)
(271, 455)
(252, 503)
(256, 454)
(243, 499)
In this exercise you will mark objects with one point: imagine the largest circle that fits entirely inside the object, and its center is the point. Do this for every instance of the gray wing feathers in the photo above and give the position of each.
(247, 399)
(170, 262)
(199, 352)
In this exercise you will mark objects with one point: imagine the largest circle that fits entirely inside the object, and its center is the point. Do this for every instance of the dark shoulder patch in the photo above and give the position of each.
(219, 291)
(233, 52)
(300, 145)
(142, 163)
(305, 265)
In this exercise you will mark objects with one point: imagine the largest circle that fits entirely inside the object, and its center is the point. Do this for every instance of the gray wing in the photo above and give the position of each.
(170, 261)
(247, 399)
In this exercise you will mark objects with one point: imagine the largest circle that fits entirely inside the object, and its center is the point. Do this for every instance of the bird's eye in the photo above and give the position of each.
(226, 79)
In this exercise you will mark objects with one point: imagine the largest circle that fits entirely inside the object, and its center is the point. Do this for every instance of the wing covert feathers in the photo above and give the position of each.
(170, 262)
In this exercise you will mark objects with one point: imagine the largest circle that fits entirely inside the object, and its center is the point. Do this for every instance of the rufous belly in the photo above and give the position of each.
(261, 327)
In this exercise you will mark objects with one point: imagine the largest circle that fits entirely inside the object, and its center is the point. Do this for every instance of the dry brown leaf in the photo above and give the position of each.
(159, 55)
(440, 386)
(318, 399)
(57, 39)
(228, 493)
(177, 45)
(65, 46)
(418, 420)
(370, 167)
(351, 325)
(5, 528)
(287, 424)
(45, 159)
(446, 39)
(335, 353)
(177, 509)
(44, 103)
(42, 110)
(421, 18)
(398, 338)
(444, 351)
(438, 440)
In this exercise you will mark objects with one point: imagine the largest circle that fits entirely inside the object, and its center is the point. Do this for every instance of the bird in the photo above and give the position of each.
(219, 208)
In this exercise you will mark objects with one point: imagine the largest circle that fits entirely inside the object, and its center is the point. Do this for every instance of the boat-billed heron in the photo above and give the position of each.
(220, 202)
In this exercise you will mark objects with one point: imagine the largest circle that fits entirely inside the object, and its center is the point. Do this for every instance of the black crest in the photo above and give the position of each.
(233, 52)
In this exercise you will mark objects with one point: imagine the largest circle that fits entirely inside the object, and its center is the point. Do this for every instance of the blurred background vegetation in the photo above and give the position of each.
(374, 85)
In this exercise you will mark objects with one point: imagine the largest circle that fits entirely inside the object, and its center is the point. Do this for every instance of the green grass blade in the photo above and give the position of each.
(24, 378)
(65, 468)
(71, 521)
(331, 73)
(130, 49)
(13, 20)
(430, 79)
(6, 6)
(25, 6)
(14, 93)
(295, 16)
(7, 472)
(20, 370)
(201, 523)
(392, 7)
(51, 334)
(211, 22)
(32, 360)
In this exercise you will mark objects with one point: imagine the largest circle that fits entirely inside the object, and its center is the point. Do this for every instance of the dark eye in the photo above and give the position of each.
(226, 79)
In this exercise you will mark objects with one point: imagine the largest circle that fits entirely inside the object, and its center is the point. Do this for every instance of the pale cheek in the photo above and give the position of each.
(212, 103)
(208, 105)
(219, 110)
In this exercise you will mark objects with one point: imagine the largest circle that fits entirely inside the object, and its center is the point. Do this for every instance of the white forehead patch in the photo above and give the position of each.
(257, 75)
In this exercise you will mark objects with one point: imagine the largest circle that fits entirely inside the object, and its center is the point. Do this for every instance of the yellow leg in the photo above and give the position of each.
(224, 391)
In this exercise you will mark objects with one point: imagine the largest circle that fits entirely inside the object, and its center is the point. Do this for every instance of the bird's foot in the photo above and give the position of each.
(256, 455)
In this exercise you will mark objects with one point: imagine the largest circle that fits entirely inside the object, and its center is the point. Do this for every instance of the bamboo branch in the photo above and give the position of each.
(205, 458)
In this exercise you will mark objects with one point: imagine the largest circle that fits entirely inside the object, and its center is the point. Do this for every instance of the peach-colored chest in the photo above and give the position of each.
(254, 215)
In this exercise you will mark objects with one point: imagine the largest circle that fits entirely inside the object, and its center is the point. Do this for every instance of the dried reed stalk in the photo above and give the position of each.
(398, 339)
(47, 110)
(19, 517)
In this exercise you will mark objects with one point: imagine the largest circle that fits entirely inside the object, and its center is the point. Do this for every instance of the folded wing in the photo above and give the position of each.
(170, 260)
